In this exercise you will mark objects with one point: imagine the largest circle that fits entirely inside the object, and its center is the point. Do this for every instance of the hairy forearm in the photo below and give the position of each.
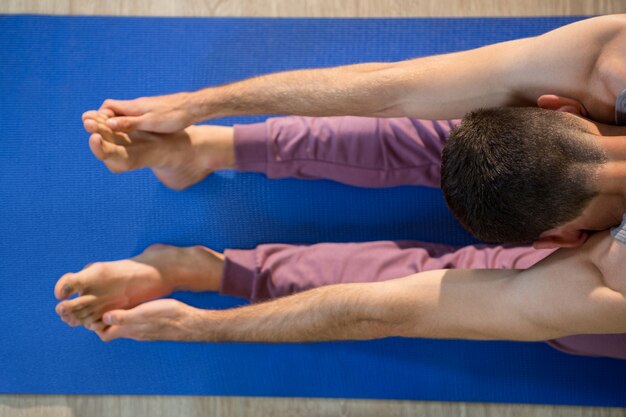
(335, 312)
(437, 87)
(362, 89)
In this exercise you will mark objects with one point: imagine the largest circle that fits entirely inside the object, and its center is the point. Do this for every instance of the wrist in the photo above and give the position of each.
(208, 103)
(193, 106)
(205, 328)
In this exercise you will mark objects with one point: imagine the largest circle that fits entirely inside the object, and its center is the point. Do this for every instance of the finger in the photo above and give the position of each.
(122, 107)
(89, 319)
(118, 138)
(96, 325)
(118, 317)
(89, 114)
(67, 286)
(86, 315)
(106, 113)
(114, 332)
(97, 115)
(125, 123)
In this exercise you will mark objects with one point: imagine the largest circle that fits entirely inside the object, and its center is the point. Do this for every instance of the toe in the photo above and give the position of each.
(75, 306)
(96, 325)
(85, 314)
(108, 152)
(115, 156)
(88, 319)
(71, 321)
(67, 286)
(106, 113)
(114, 153)
(117, 138)
(95, 142)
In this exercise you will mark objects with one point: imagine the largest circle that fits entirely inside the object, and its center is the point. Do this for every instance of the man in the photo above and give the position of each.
(376, 316)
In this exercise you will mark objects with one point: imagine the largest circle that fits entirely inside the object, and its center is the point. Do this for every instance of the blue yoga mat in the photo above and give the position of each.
(60, 209)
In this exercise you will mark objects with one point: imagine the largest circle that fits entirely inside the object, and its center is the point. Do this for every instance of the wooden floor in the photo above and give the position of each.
(135, 406)
(316, 8)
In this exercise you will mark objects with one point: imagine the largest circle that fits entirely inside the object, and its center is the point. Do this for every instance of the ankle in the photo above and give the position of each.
(208, 275)
(217, 143)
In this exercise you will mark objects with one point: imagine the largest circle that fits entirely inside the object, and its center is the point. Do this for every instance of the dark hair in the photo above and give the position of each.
(510, 174)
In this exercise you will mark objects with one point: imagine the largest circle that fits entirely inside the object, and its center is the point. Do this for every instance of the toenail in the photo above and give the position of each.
(61, 310)
(66, 289)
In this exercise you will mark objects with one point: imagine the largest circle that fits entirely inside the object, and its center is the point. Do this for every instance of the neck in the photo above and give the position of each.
(612, 175)
(612, 140)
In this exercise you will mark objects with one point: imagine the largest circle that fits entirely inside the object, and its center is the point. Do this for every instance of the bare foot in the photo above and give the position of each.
(156, 273)
(179, 160)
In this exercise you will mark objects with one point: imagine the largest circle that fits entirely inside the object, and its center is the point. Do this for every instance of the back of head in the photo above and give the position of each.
(510, 174)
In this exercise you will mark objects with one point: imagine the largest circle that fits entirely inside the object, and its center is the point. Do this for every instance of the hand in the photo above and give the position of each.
(164, 319)
(158, 114)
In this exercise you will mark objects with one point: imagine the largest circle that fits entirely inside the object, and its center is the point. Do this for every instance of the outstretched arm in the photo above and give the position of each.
(438, 87)
(568, 293)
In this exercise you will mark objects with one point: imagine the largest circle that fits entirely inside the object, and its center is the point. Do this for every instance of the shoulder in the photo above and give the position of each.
(609, 256)
(600, 27)
(609, 32)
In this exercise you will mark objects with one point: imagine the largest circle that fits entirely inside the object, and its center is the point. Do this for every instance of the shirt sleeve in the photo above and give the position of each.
(619, 232)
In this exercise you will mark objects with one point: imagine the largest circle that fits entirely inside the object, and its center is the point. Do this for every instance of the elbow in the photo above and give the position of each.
(403, 323)
(609, 258)
(392, 90)
(394, 321)
(392, 310)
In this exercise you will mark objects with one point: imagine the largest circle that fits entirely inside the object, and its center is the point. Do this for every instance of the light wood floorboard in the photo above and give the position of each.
(161, 406)
(155, 406)
(316, 8)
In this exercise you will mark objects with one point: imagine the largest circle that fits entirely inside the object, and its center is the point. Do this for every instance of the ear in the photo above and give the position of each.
(559, 238)
(565, 104)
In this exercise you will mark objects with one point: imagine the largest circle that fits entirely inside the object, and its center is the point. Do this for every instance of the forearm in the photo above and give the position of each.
(438, 87)
(334, 312)
(346, 90)
(464, 304)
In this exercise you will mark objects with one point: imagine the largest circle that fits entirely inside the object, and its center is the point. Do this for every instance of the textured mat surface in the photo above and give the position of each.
(60, 209)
